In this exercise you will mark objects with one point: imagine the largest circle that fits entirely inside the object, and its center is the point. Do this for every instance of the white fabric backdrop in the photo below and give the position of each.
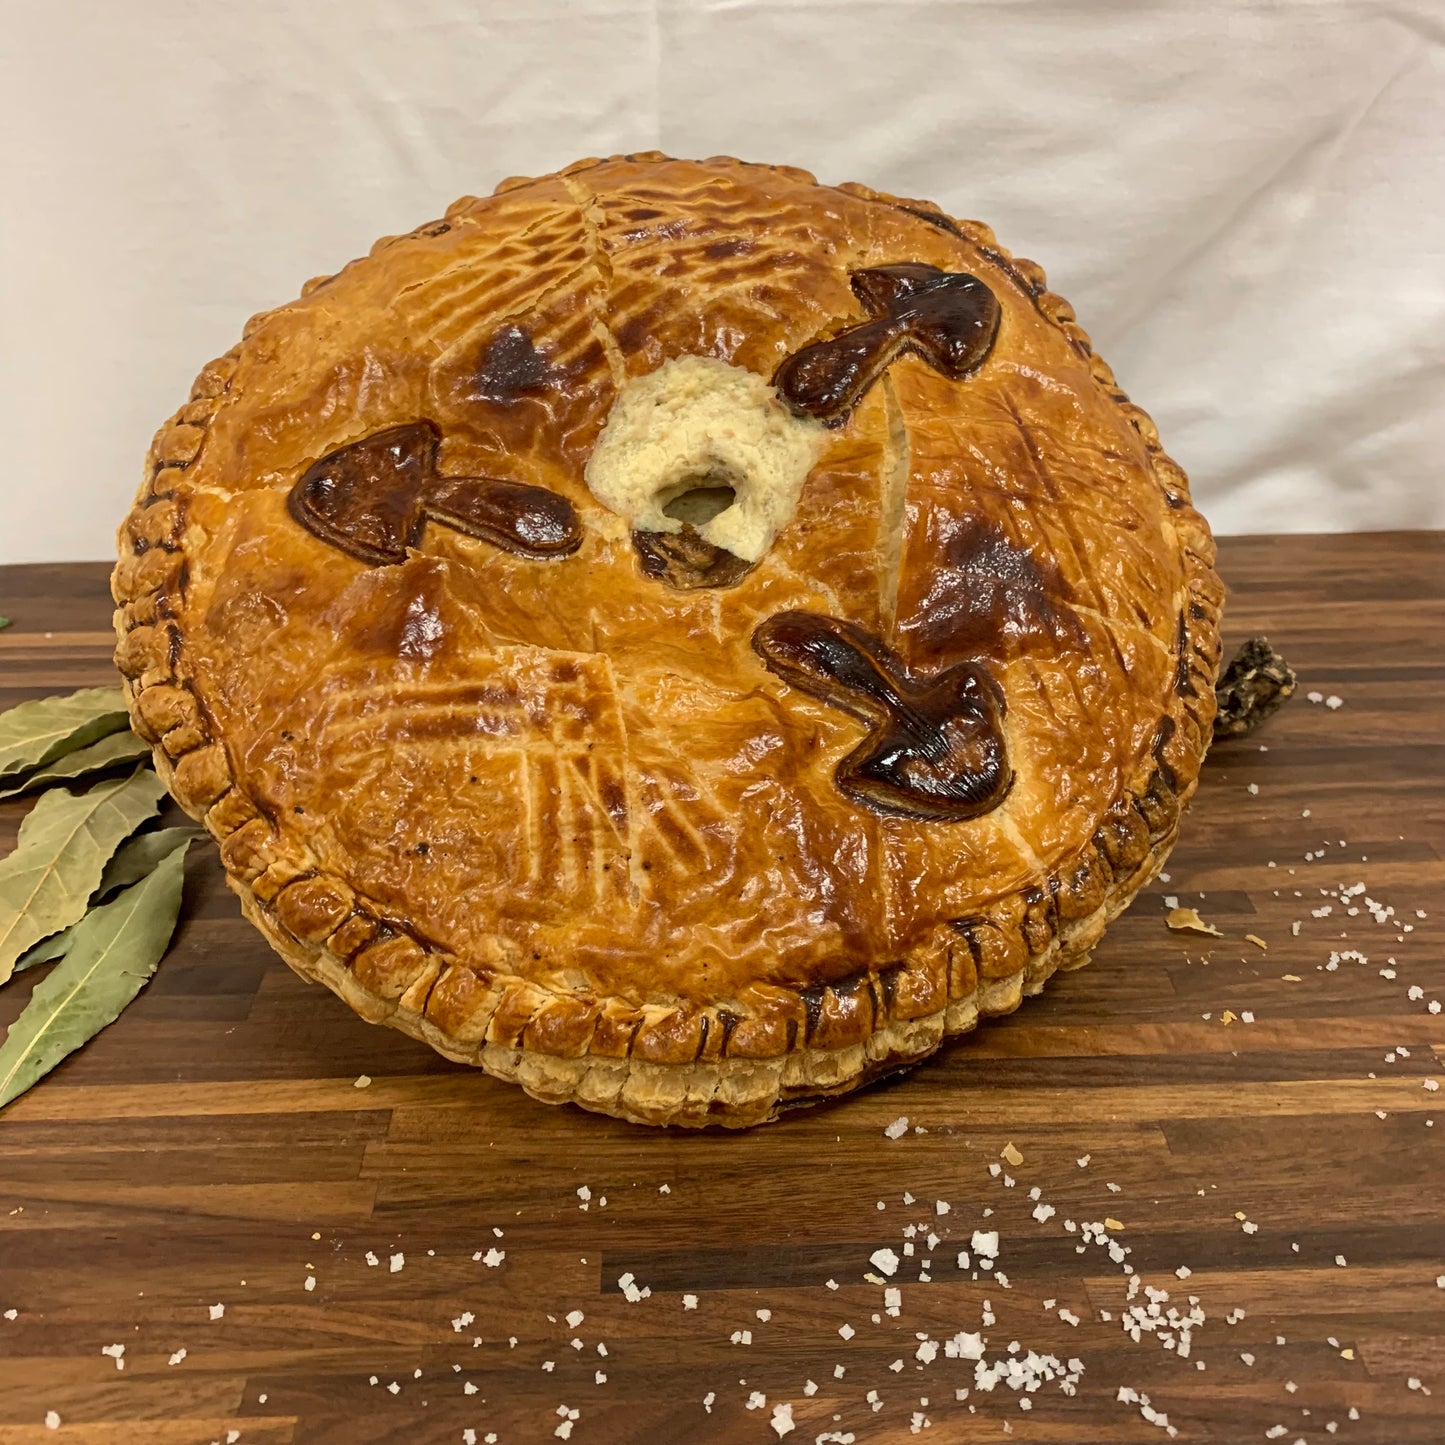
(1246, 202)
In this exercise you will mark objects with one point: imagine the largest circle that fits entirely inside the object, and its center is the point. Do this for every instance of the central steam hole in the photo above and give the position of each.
(706, 446)
(699, 501)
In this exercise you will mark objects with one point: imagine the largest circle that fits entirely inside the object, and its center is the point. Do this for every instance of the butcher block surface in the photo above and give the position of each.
(1253, 1117)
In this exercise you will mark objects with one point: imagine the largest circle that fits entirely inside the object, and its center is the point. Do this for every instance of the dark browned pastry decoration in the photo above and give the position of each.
(948, 320)
(936, 750)
(682, 638)
(373, 498)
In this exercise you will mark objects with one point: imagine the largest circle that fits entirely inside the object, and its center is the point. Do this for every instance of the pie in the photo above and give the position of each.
(683, 638)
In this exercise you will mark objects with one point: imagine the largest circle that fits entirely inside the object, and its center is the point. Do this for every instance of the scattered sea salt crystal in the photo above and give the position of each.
(782, 1421)
(217, 1311)
(898, 1128)
(689, 1301)
(52, 1420)
(362, 1081)
(492, 1258)
(398, 1262)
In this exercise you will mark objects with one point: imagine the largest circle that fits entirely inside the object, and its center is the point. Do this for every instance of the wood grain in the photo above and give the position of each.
(189, 1155)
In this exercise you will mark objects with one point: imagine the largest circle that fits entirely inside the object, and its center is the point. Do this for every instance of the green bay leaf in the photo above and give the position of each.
(134, 859)
(137, 856)
(47, 949)
(112, 954)
(65, 842)
(36, 733)
(119, 747)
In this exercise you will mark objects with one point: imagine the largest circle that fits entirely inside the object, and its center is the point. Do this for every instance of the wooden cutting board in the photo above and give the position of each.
(1240, 1109)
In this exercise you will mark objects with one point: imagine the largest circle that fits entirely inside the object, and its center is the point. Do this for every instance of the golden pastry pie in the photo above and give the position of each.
(681, 637)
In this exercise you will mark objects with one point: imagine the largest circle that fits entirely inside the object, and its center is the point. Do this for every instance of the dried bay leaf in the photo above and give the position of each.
(119, 747)
(133, 861)
(47, 950)
(65, 842)
(36, 733)
(112, 954)
(137, 856)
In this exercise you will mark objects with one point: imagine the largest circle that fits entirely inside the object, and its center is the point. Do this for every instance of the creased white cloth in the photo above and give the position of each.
(1245, 202)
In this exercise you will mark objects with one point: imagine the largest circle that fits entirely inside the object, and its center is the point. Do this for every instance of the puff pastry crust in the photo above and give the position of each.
(559, 818)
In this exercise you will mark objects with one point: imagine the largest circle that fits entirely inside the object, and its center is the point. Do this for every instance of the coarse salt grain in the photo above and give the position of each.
(782, 1421)
(630, 1290)
(689, 1301)
(217, 1311)
(397, 1264)
(52, 1420)
(898, 1128)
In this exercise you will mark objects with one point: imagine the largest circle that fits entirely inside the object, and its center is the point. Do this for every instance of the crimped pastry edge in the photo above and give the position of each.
(1009, 951)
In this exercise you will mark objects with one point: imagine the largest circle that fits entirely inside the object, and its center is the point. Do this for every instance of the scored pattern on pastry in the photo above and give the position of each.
(936, 750)
(949, 318)
(372, 500)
